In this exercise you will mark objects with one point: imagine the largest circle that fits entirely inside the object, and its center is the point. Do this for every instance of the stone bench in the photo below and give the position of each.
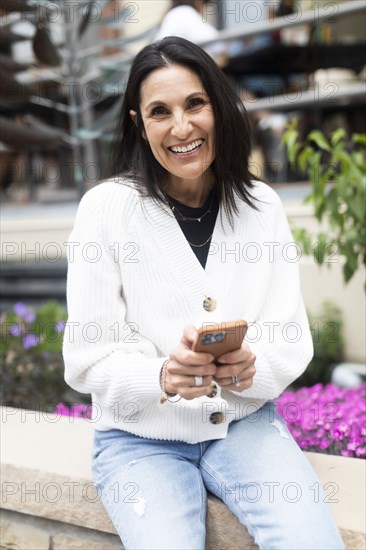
(48, 499)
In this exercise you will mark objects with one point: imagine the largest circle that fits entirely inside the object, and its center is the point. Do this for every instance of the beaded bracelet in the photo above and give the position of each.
(165, 395)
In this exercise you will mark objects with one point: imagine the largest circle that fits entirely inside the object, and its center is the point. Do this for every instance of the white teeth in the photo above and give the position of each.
(188, 148)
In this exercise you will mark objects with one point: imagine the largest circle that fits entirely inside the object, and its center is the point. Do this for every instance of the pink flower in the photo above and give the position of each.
(62, 409)
(76, 410)
(327, 418)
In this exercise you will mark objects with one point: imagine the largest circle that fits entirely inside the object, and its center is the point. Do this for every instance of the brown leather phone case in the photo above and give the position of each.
(219, 338)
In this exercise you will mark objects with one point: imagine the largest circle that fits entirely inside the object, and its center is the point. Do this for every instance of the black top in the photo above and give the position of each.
(197, 224)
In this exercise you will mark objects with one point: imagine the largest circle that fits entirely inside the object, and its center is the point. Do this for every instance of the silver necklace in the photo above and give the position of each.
(200, 245)
(184, 218)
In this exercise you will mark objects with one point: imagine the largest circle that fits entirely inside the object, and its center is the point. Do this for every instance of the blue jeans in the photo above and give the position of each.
(155, 491)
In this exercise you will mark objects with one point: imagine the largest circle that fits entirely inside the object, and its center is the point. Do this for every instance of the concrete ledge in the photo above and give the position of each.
(47, 490)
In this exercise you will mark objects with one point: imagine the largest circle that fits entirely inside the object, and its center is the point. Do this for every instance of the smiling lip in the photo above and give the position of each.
(197, 145)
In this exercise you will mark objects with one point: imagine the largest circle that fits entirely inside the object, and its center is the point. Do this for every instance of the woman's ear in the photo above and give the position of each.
(133, 115)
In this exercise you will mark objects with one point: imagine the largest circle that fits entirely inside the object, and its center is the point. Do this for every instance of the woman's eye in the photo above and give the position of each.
(196, 102)
(159, 111)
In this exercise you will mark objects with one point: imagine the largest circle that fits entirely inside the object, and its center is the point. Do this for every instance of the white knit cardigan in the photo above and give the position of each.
(134, 282)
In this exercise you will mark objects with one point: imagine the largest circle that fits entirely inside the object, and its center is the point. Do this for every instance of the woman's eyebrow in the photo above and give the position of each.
(155, 103)
(158, 102)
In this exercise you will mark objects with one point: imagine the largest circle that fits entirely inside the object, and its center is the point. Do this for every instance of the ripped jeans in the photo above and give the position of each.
(155, 491)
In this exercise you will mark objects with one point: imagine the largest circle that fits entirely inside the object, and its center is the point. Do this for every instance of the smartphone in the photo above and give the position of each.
(220, 338)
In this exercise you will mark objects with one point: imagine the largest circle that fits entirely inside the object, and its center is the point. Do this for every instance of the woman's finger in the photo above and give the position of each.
(235, 376)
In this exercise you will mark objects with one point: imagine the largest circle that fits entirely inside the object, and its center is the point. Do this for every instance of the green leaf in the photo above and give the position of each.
(325, 177)
(293, 153)
(357, 207)
(315, 169)
(349, 268)
(323, 244)
(359, 138)
(332, 201)
(303, 238)
(319, 207)
(337, 136)
(341, 184)
(309, 198)
(303, 157)
(289, 139)
(320, 140)
(356, 177)
(340, 155)
(320, 248)
(358, 159)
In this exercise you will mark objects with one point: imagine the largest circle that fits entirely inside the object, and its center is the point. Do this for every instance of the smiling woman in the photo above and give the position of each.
(175, 423)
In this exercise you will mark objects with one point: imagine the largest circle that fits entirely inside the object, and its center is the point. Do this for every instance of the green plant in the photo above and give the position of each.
(326, 330)
(32, 369)
(336, 168)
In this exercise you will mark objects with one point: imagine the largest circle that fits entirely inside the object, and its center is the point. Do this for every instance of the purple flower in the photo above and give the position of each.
(15, 329)
(20, 309)
(29, 317)
(24, 312)
(60, 326)
(30, 340)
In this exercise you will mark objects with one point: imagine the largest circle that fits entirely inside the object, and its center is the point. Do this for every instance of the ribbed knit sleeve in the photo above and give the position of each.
(280, 336)
(103, 354)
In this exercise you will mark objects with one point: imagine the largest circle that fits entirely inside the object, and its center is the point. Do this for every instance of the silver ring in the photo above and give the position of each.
(235, 381)
(198, 380)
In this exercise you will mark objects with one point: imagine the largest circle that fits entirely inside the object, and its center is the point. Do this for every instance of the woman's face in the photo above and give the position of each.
(179, 123)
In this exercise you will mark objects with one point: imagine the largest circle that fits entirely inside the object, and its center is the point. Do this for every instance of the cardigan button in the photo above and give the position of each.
(213, 391)
(217, 418)
(209, 304)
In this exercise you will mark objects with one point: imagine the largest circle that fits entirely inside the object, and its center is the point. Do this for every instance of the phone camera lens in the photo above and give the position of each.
(213, 338)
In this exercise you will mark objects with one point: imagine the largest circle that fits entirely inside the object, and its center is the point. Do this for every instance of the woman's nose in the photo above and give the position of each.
(181, 125)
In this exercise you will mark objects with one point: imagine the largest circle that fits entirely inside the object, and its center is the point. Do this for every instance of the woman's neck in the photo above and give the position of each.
(190, 192)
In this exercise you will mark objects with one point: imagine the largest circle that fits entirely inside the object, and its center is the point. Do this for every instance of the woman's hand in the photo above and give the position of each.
(185, 365)
(236, 369)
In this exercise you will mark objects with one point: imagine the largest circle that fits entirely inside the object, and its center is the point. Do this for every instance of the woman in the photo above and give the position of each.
(184, 238)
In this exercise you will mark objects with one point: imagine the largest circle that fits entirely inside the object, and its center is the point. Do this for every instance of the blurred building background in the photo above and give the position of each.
(64, 66)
